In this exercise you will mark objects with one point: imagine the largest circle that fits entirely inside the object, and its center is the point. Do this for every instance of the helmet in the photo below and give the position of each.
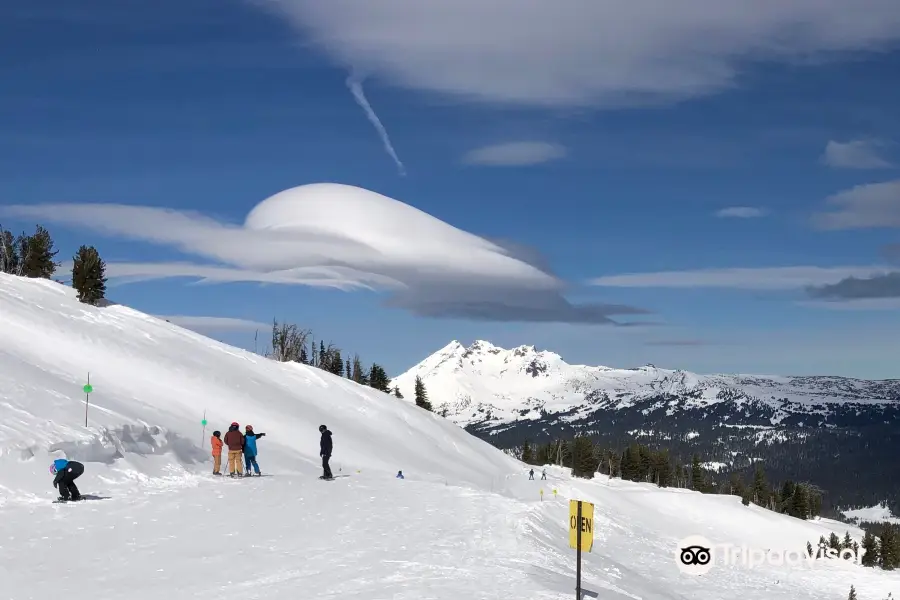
(322, 428)
(249, 427)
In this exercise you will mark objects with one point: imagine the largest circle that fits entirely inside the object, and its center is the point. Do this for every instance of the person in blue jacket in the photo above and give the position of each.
(67, 471)
(250, 449)
(400, 475)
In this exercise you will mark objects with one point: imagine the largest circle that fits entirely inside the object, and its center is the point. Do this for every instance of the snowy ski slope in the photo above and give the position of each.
(465, 524)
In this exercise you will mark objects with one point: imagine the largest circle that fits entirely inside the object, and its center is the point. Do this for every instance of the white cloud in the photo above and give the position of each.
(515, 154)
(857, 154)
(763, 278)
(332, 235)
(741, 212)
(863, 206)
(213, 323)
(581, 52)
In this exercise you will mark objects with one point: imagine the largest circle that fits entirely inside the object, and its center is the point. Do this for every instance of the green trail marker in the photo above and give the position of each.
(203, 437)
(88, 388)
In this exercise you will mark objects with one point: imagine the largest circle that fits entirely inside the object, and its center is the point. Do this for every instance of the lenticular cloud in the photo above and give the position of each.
(345, 237)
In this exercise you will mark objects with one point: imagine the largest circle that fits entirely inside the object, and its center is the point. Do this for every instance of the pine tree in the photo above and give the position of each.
(809, 549)
(697, 476)
(847, 544)
(760, 488)
(349, 372)
(421, 395)
(9, 253)
(852, 595)
(321, 362)
(799, 502)
(89, 275)
(889, 547)
(527, 456)
(583, 464)
(870, 556)
(378, 378)
(335, 362)
(397, 392)
(36, 255)
(834, 542)
(304, 357)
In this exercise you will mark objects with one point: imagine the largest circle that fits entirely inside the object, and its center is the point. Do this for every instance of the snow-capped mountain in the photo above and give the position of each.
(484, 385)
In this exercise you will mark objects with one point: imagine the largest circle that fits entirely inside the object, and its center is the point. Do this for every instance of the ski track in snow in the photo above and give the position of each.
(465, 524)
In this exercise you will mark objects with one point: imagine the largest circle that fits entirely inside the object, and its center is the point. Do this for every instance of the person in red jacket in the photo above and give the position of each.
(216, 443)
(234, 439)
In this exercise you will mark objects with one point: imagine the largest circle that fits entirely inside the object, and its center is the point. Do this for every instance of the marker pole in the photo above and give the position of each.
(578, 556)
(87, 400)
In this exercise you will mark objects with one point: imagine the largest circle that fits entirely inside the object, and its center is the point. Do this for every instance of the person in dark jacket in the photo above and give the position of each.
(67, 471)
(250, 449)
(234, 439)
(325, 447)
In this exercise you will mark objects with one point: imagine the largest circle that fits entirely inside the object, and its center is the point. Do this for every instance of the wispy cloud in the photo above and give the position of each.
(596, 53)
(867, 304)
(354, 82)
(863, 206)
(761, 278)
(201, 324)
(332, 235)
(741, 212)
(857, 154)
(885, 285)
(515, 154)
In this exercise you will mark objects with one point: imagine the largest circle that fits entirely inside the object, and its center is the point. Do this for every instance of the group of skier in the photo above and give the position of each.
(239, 445)
(543, 475)
(242, 454)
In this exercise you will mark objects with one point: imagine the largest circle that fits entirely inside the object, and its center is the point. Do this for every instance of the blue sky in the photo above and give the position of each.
(615, 144)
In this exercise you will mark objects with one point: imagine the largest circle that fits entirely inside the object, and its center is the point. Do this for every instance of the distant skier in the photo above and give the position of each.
(67, 471)
(531, 475)
(543, 474)
(234, 439)
(400, 475)
(250, 449)
(215, 442)
(325, 448)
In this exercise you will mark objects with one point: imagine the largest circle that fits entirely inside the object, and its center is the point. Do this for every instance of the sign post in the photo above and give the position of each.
(581, 535)
(87, 397)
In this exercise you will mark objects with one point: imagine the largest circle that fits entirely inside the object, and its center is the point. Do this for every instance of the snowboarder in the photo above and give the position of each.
(250, 449)
(216, 443)
(531, 475)
(543, 474)
(325, 448)
(67, 471)
(400, 475)
(234, 439)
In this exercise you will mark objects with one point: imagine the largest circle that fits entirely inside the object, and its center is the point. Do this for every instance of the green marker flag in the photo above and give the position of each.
(87, 389)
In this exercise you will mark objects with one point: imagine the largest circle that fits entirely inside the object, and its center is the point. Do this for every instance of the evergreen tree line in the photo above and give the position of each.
(641, 463)
(33, 256)
(290, 343)
(881, 548)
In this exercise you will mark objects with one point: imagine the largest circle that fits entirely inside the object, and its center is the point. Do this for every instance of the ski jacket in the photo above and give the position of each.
(72, 470)
(234, 439)
(325, 445)
(216, 445)
(250, 443)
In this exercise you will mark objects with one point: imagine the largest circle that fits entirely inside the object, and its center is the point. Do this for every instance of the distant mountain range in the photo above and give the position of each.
(799, 425)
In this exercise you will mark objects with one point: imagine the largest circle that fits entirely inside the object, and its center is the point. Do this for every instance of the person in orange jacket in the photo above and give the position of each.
(216, 443)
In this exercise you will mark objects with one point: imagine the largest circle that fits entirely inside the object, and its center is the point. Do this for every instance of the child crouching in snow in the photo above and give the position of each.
(216, 443)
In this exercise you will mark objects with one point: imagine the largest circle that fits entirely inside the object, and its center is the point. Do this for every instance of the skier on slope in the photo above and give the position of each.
(215, 442)
(531, 475)
(250, 449)
(400, 475)
(234, 439)
(67, 471)
(543, 474)
(325, 448)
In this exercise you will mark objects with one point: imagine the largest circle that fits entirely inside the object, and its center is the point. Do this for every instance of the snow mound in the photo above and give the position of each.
(152, 382)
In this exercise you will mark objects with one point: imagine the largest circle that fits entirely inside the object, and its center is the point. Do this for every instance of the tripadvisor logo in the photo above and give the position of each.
(696, 555)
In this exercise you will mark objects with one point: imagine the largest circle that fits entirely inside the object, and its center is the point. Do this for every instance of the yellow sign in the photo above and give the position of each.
(586, 525)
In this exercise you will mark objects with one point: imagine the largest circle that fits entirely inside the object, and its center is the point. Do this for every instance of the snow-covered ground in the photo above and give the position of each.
(872, 514)
(465, 523)
(484, 381)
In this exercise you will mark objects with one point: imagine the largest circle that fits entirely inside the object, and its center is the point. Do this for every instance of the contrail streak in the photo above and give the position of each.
(355, 85)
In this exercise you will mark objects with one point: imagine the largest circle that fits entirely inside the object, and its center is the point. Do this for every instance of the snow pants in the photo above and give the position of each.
(67, 487)
(217, 463)
(325, 467)
(234, 462)
(250, 460)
